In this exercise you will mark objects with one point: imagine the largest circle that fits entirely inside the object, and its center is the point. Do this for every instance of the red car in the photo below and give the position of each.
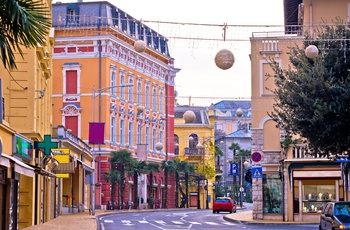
(224, 204)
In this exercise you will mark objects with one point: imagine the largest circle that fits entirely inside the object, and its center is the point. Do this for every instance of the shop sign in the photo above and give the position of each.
(23, 147)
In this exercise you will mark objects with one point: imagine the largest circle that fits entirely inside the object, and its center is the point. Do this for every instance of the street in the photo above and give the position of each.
(167, 220)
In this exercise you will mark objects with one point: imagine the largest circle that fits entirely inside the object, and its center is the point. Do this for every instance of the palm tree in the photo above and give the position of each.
(138, 168)
(24, 23)
(234, 147)
(121, 160)
(112, 177)
(186, 168)
(151, 168)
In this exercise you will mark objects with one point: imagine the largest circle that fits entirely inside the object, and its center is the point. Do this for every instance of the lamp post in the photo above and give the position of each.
(95, 93)
(241, 189)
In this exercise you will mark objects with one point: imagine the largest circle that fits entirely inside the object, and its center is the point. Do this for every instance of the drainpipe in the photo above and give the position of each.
(311, 23)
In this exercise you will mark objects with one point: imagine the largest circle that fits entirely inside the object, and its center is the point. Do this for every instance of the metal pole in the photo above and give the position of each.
(241, 180)
(198, 191)
(207, 201)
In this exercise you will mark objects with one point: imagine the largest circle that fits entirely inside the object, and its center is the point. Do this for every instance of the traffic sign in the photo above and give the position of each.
(234, 169)
(257, 172)
(256, 156)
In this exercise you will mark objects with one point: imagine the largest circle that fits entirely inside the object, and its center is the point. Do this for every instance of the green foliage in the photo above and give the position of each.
(218, 151)
(313, 96)
(23, 23)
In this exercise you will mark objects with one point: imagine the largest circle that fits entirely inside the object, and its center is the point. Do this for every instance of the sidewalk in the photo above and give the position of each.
(85, 221)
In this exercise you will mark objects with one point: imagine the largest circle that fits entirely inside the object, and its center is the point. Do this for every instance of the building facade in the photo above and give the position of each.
(101, 78)
(295, 185)
(194, 141)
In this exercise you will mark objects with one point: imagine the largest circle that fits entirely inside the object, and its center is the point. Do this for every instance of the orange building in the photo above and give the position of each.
(100, 78)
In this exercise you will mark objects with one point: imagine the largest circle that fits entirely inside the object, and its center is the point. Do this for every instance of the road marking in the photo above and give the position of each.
(126, 221)
(108, 221)
(159, 222)
(194, 222)
(228, 223)
(212, 223)
(143, 221)
(177, 222)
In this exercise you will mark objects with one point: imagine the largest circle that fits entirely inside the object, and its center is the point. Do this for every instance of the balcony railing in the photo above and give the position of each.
(301, 151)
(192, 152)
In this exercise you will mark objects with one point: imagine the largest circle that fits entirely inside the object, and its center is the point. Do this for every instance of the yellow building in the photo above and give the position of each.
(26, 110)
(194, 140)
(292, 183)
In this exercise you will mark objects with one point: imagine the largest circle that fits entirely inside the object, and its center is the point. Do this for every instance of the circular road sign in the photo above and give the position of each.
(256, 156)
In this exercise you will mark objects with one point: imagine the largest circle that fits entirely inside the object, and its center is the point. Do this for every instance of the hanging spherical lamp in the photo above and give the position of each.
(189, 116)
(140, 109)
(311, 51)
(159, 146)
(224, 59)
(239, 112)
(199, 146)
(140, 46)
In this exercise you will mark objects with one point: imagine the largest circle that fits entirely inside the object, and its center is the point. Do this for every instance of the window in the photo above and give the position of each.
(139, 133)
(121, 132)
(154, 99)
(272, 187)
(139, 93)
(176, 141)
(71, 82)
(154, 139)
(71, 122)
(72, 14)
(148, 137)
(113, 84)
(161, 102)
(148, 95)
(130, 132)
(122, 89)
(113, 130)
(131, 91)
(161, 138)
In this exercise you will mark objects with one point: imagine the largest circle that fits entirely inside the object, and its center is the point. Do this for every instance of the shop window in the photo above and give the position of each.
(316, 194)
(272, 187)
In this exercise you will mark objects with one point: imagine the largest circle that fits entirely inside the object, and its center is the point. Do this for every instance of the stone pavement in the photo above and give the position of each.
(85, 221)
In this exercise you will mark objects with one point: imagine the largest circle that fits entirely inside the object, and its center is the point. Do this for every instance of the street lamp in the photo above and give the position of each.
(95, 93)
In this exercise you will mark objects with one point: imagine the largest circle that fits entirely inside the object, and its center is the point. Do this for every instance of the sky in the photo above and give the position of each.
(194, 46)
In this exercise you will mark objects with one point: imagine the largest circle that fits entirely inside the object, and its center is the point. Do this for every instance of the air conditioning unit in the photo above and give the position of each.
(301, 14)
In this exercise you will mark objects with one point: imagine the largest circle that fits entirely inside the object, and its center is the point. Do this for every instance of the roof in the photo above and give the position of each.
(238, 134)
(229, 107)
(200, 112)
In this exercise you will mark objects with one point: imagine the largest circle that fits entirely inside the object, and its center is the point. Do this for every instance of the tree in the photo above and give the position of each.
(23, 23)
(151, 168)
(234, 147)
(122, 161)
(312, 97)
(112, 177)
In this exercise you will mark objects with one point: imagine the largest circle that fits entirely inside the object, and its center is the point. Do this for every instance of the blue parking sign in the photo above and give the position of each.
(234, 169)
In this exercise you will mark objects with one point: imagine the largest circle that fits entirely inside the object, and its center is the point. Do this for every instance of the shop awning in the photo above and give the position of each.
(4, 161)
(21, 167)
(86, 166)
(43, 172)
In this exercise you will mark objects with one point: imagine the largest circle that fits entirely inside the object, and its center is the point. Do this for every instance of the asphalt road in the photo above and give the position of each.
(177, 220)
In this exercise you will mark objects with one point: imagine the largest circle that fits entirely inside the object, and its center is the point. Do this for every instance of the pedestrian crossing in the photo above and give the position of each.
(161, 222)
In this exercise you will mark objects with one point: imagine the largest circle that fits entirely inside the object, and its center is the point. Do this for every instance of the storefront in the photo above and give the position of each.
(312, 187)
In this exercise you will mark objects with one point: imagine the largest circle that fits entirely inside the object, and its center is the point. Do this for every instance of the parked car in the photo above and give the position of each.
(335, 215)
(224, 204)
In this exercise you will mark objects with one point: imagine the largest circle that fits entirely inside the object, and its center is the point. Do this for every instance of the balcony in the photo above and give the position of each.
(301, 153)
(193, 152)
